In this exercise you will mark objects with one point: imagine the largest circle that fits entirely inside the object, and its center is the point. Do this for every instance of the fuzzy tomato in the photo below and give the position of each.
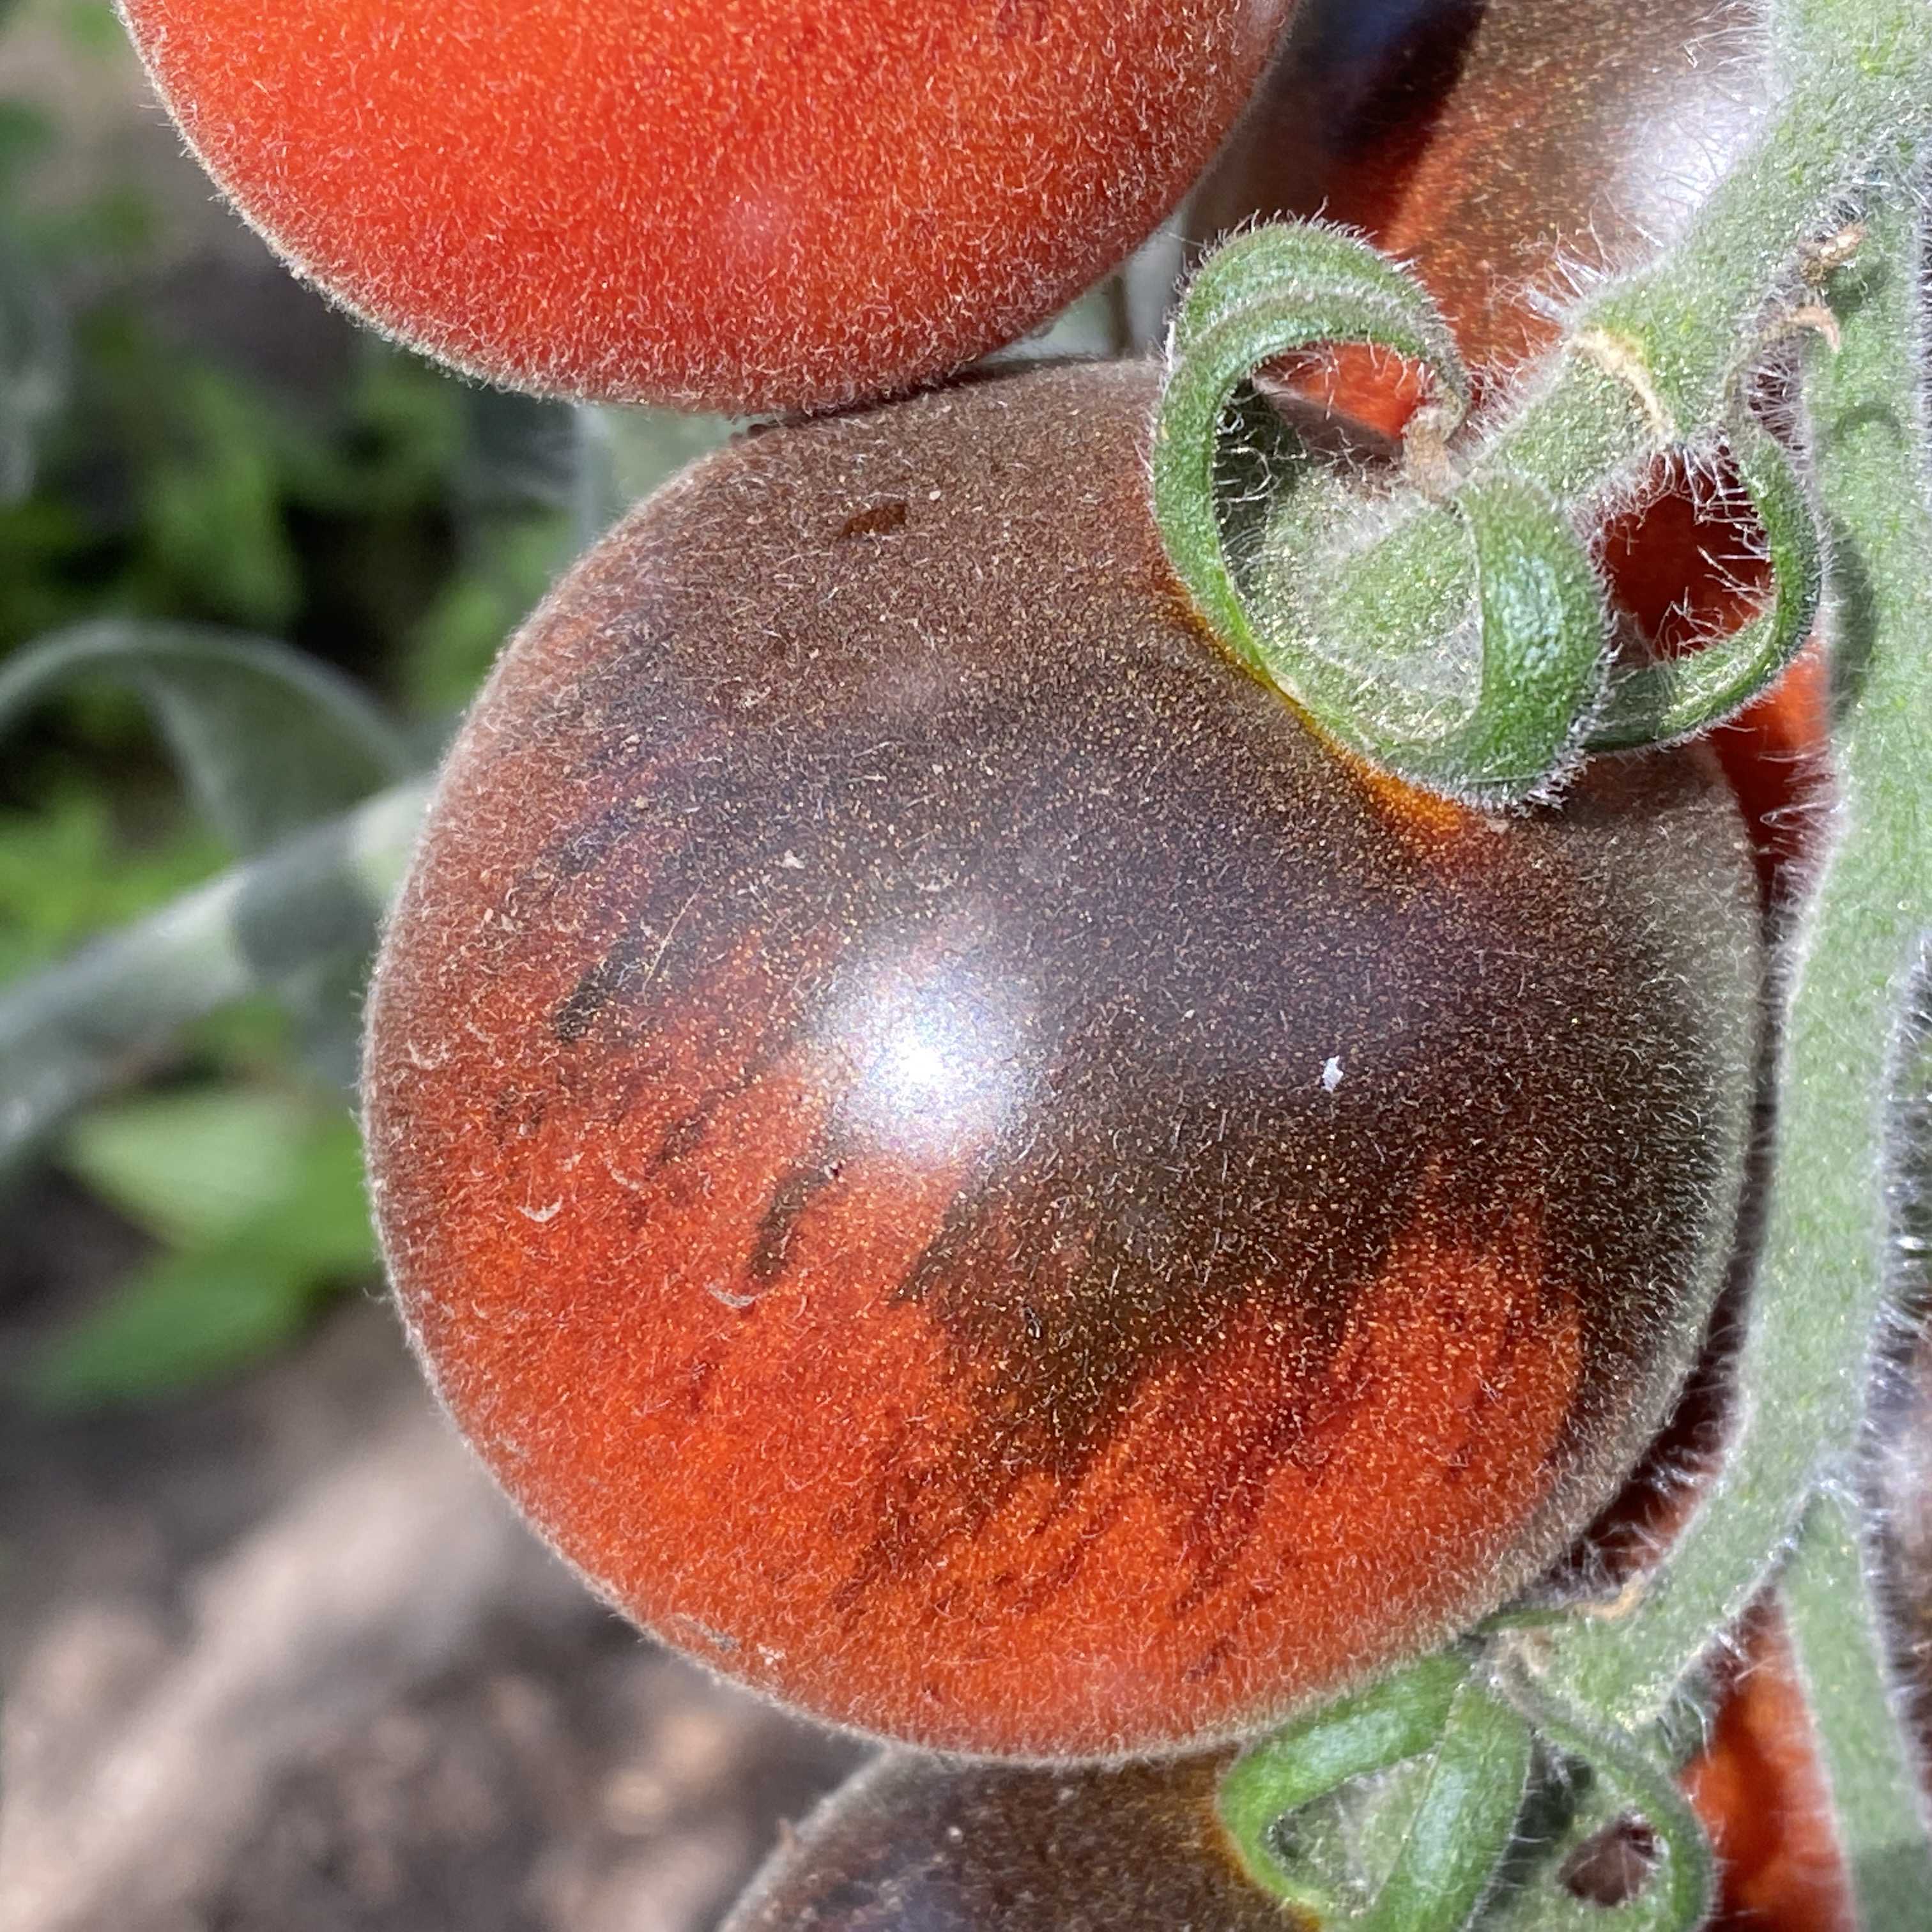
(976, 1176)
(768, 205)
(912, 1842)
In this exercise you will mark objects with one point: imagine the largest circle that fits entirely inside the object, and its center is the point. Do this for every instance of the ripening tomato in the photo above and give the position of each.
(762, 204)
(970, 1172)
(1761, 1792)
(1508, 151)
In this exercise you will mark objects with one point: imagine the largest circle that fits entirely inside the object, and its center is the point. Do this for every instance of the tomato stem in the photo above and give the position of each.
(1827, 1593)
(1652, 364)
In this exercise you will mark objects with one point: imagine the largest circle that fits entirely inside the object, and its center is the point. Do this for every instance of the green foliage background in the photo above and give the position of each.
(189, 440)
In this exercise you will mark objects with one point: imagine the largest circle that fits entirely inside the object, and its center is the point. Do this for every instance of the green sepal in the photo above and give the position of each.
(1541, 610)
(1633, 1782)
(1543, 630)
(1403, 1717)
(1677, 697)
(1270, 292)
(1464, 1827)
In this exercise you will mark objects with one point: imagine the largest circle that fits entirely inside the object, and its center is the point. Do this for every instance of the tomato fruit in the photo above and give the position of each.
(1506, 151)
(971, 1172)
(912, 1842)
(773, 205)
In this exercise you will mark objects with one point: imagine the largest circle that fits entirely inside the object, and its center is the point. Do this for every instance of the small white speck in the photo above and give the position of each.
(1331, 1074)
(541, 1215)
(792, 862)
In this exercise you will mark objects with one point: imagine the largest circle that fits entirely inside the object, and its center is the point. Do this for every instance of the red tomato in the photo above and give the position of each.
(736, 204)
(1760, 1790)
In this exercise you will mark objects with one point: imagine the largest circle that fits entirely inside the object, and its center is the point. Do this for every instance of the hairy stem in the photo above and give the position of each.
(1805, 1363)
(1830, 1611)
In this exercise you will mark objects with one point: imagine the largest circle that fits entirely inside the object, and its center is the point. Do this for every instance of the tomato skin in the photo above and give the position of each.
(970, 1172)
(911, 1842)
(769, 205)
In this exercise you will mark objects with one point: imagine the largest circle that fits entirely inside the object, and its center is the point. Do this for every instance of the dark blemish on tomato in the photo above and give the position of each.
(877, 520)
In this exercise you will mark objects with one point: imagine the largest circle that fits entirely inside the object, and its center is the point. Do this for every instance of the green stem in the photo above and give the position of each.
(1828, 1599)
(1805, 1363)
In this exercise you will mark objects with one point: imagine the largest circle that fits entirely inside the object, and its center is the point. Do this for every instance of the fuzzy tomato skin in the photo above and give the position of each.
(770, 205)
(911, 1842)
(970, 1172)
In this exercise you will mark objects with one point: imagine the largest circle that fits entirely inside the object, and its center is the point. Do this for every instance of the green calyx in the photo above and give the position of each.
(1398, 1809)
(1361, 650)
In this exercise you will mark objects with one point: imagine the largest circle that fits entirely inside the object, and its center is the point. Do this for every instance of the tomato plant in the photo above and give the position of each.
(782, 204)
(1033, 1088)
(909, 1099)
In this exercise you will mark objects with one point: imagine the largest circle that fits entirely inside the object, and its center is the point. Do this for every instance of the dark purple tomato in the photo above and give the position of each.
(971, 1171)
(914, 1845)
(1506, 150)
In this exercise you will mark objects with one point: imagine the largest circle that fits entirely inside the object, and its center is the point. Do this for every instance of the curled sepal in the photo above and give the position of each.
(1543, 634)
(1677, 697)
(1540, 609)
(1678, 1891)
(1401, 1717)
(1265, 294)
(1447, 1830)
(1464, 1825)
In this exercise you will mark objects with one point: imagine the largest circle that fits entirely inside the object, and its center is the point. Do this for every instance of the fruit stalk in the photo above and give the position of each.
(1806, 1359)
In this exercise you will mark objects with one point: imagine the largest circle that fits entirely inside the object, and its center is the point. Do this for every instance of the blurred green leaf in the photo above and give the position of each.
(33, 364)
(187, 1319)
(213, 503)
(301, 915)
(627, 453)
(191, 1167)
(94, 26)
(461, 633)
(268, 740)
(261, 1261)
(65, 875)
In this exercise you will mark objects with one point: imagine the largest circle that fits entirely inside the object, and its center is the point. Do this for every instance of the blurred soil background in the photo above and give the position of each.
(274, 1656)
